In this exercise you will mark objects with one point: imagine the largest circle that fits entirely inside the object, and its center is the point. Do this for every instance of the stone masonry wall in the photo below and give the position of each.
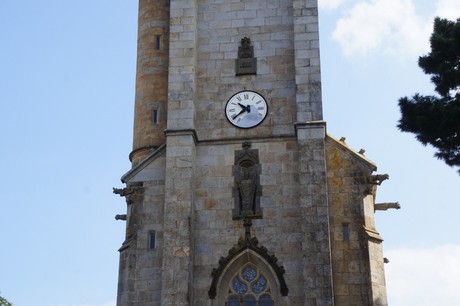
(347, 196)
(147, 287)
(140, 266)
(376, 263)
(177, 273)
(151, 77)
(278, 230)
(313, 207)
(221, 26)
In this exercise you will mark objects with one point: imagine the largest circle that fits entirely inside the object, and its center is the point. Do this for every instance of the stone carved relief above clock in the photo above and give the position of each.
(246, 63)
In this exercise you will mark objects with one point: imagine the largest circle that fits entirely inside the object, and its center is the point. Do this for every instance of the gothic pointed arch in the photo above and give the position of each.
(249, 253)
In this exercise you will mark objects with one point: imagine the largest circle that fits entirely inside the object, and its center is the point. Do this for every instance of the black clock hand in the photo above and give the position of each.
(247, 107)
(244, 109)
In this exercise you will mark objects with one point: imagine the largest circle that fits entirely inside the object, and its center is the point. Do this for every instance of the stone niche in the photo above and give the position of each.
(247, 190)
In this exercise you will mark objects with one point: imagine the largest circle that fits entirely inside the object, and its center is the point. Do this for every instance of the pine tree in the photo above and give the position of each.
(4, 302)
(435, 120)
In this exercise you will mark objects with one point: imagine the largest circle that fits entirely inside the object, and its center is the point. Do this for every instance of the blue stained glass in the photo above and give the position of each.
(260, 285)
(249, 274)
(239, 286)
(233, 301)
(249, 301)
(265, 300)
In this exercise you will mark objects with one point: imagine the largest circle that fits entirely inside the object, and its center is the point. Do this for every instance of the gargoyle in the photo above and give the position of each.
(386, 206)
(378, 179)
(120, 217)
(123, 192)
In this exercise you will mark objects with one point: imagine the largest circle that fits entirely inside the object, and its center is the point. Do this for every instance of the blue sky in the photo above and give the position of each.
(67, 71)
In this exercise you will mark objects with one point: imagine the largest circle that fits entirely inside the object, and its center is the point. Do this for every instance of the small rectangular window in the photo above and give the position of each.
(345, 232)
(155, 116)
(158, 42)
(152, 240)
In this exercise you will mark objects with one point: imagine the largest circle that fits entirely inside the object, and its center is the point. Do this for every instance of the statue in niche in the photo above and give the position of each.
(247, 191)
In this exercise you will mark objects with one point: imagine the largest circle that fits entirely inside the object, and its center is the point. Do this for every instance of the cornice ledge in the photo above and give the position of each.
(373, 234)
(126, 245)
(182, 132)
(155, 151)
(310, 129)
(309, 124)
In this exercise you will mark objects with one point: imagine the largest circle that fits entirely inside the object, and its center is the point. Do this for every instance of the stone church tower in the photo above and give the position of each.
(237, 195)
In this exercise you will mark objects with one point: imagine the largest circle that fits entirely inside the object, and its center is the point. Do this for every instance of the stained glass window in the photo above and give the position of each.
(260, 285)
(233, 301)
(249, 273)
(239, 286)
(249, 300)
(265, 300)
(249, 288)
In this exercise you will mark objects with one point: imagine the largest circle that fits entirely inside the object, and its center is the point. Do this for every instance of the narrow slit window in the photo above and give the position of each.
(158, 42)
(155, 116)
(345, 232)
(152, 240)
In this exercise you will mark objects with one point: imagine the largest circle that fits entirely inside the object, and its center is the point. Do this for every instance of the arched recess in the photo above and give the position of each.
(247, 252)
(247, 258)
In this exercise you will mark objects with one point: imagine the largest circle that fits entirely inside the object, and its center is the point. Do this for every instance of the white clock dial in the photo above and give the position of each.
(246, 109)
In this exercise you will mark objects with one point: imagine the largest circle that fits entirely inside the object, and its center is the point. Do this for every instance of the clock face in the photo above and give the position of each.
(246, 109)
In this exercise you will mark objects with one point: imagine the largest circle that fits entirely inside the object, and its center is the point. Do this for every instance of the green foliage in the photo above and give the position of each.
(436, 120)
(4, 302)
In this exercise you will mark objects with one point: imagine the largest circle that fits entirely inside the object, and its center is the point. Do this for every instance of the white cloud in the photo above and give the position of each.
(330, 4)
(423, 277)
(449, 9)
(388, 26)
